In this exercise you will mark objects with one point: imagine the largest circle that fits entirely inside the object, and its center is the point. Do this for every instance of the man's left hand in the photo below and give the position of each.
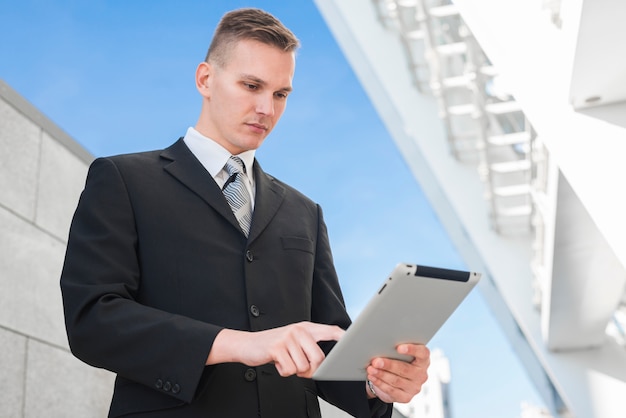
(396, 380)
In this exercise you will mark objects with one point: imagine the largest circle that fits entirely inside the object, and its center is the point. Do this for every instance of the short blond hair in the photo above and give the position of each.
(249, 24)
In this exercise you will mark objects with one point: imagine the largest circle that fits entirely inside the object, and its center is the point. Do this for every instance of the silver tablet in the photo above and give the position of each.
(411, 305)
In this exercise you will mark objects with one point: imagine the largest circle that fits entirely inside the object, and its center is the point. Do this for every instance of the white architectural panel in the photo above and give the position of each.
(556, 287)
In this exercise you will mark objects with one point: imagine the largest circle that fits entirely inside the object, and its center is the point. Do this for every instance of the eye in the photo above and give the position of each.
(250, 86)
(281, 95)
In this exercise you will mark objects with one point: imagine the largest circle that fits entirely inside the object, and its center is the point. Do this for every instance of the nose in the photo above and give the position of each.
(265, 104)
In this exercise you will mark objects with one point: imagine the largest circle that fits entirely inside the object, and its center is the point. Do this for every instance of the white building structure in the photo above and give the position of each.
(512, 116)
(532, 411)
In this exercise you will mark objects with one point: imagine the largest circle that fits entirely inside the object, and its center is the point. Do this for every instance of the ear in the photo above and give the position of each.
(203, 74)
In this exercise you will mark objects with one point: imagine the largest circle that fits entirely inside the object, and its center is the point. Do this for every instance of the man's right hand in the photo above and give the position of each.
(292, 348)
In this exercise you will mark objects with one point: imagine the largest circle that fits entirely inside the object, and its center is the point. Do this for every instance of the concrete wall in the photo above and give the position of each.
(42, 172)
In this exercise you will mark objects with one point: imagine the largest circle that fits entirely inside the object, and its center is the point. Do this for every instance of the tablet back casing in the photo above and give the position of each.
(411, 305)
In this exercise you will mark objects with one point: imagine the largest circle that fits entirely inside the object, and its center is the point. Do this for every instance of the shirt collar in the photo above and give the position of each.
(212, 155)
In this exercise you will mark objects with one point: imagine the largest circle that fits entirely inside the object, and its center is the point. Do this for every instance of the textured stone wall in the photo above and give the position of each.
(42, 172)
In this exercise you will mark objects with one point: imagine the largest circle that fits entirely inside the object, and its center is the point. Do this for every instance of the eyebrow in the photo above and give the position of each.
(262, 82)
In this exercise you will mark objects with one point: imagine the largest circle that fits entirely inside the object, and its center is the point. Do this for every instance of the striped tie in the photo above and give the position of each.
(237, 194)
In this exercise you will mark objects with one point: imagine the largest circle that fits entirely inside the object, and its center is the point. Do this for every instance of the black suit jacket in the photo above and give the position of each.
(156, 266)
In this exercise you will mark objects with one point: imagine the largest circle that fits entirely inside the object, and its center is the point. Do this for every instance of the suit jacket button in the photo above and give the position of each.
(250, 375)
(158, 384)
(254, 310)
(249, 256)
(167, 386)
(176, 388)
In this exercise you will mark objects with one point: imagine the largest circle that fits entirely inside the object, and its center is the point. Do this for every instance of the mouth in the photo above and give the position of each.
(258, 127)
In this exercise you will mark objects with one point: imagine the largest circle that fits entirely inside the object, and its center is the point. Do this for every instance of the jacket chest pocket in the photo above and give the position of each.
(298, 243)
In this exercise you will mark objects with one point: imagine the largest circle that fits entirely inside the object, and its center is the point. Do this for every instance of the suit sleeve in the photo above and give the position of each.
(106, 326)
(328, 307)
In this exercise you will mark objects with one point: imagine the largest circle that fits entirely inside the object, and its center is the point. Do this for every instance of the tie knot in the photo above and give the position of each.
(234, 165)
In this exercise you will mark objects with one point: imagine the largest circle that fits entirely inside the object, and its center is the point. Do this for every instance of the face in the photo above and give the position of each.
(244, 98)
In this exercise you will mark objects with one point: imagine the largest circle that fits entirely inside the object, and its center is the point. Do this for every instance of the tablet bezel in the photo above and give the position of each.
(410, 307)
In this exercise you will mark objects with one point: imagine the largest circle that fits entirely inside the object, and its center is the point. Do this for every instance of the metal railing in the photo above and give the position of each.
(484, 124)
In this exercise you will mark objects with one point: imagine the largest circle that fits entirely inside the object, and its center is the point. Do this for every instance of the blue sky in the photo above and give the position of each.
(118, 76)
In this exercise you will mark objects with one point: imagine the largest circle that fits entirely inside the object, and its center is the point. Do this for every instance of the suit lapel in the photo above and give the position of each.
(186, 168)
(269, 197)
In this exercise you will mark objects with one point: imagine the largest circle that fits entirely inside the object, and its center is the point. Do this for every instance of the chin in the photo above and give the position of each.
(253, 144)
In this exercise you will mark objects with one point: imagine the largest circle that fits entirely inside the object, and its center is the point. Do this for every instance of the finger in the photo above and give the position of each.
(388, 374)
(284, 363)
(419, 352)
(293, 355)
(313, 352)
(397, 378)
(392, 367)
(415, 370)
(303, 354)
(323, 332)
(311, 333)
(297, 351)
(287, 355)
(396, 387)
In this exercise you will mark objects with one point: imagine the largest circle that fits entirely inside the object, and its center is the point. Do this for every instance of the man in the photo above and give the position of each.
(205, 283)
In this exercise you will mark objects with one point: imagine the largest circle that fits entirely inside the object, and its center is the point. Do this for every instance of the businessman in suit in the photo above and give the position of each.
(206, 284)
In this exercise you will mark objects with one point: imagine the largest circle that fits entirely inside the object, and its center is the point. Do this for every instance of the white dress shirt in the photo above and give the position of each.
(214, 157)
